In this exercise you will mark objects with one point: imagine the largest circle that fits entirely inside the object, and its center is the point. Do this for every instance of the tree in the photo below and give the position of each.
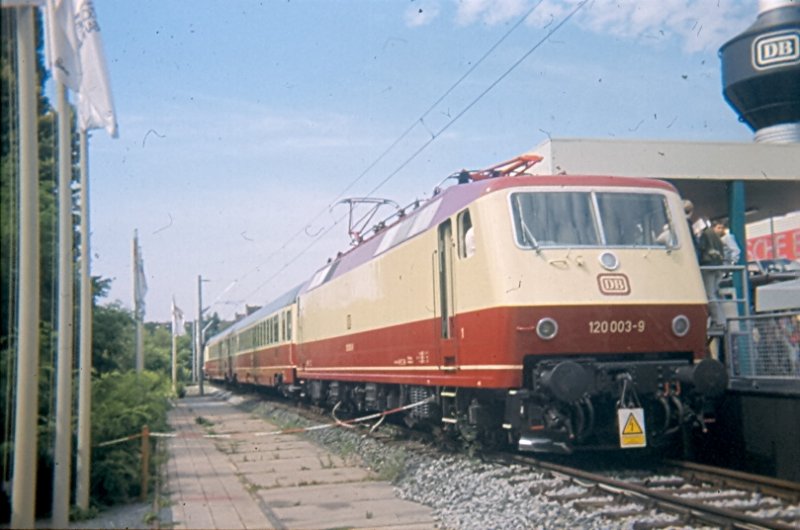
(125, 402)
(113, 336)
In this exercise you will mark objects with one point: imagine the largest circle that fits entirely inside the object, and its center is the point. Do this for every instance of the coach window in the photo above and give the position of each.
(288, 325)
(466, 235)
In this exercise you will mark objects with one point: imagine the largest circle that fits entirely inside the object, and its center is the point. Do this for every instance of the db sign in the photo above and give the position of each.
(776, 49)
(613, 284)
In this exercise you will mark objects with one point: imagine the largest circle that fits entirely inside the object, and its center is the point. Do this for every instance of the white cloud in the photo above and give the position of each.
(489, 11)
(697, 24)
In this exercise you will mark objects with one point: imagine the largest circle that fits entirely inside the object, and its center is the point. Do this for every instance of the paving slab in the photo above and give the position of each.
(281, 482)
(366, 505)
(307, 477)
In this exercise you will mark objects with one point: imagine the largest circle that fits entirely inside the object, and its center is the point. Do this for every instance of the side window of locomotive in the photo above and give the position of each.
(635, 219)
(466, 235)
(554, 219)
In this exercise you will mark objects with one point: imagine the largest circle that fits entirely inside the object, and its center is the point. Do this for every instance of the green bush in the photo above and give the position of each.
(122, 404)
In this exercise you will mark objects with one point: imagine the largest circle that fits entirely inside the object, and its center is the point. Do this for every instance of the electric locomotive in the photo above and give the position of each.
(555, 312)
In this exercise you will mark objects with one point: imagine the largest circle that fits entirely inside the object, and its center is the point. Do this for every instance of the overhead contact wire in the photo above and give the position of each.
(505, 74)
(434, 136)
(383, 154)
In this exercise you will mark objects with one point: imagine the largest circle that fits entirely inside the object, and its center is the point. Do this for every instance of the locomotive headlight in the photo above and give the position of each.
(680, 325)
(546, 328)
(609, 261)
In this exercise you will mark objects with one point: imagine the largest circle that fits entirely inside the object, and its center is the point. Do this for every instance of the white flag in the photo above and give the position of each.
(178, 322)
(95, 106)
(63, 57)
(77, 60)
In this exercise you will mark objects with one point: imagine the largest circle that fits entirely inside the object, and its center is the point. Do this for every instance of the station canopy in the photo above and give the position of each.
(700, 171)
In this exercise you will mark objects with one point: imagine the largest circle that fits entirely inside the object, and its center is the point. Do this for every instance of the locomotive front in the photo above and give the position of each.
(603, 307)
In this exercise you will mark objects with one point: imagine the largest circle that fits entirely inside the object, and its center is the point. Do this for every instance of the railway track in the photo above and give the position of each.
(643, 494)
(692, 493)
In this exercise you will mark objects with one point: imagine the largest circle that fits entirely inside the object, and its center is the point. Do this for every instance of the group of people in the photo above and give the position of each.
(715, 246)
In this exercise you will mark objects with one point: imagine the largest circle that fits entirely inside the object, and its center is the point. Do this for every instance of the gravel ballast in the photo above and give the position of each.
(465, 492)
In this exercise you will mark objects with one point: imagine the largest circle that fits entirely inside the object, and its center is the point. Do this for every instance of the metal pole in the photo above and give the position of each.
(174, 361)
(84, 463)
(194, 352)
(736, 222)
(199, 331)
(145, 462)
(27, 384)
(772, 244)
(63, 444)
(137, 310)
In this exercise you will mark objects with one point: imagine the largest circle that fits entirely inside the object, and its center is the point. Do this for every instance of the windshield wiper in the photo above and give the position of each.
(526, 232)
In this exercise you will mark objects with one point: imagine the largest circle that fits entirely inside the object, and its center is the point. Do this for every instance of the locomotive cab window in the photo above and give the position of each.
(466, 235)
(635, 219)
(589, 219)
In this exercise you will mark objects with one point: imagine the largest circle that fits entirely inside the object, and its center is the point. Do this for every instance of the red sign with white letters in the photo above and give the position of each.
(778, 245)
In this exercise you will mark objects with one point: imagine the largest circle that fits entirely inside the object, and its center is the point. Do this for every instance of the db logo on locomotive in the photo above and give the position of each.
(614, 284)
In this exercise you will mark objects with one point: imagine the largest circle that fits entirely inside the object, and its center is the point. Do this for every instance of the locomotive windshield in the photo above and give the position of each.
(558, 219)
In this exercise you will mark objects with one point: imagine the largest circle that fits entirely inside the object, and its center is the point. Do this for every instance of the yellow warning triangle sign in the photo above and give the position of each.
(632, 426)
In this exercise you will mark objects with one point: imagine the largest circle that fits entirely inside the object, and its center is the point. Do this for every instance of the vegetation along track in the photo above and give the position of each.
(694, 493)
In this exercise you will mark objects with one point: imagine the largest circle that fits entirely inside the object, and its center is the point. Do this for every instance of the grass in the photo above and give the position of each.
(329, 464)
(79, 514)
(205, 422)
(392, 468)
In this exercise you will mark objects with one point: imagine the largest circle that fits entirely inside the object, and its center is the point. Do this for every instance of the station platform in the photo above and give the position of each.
(222, 472)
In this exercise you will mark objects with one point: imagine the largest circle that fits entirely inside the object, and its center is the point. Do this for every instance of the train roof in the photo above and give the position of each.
(452, 200)
(277, 304)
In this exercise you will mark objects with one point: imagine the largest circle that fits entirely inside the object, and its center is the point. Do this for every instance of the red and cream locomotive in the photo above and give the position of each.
(557, 312)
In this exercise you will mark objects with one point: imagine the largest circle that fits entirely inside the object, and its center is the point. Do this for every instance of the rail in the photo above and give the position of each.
(695, 499)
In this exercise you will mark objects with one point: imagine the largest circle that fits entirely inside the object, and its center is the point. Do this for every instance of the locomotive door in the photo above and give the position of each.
(229, 359)
(447, 343)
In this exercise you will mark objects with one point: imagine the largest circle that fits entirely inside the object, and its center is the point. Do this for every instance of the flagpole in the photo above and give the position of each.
(63, 444)
(27, 384)
(76, 61)
(200, 331)
(137, 309)
(174, 362)
(175, 321)
(83, 462)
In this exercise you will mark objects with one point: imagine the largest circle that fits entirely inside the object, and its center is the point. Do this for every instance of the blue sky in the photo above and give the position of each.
(242, 122)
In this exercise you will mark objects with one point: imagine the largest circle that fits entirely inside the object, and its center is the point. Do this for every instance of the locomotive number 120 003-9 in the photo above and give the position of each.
(616, 326)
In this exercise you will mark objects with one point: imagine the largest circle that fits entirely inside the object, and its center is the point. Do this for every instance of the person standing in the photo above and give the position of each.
(688, 210)
(732, 252)
(711, 252)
